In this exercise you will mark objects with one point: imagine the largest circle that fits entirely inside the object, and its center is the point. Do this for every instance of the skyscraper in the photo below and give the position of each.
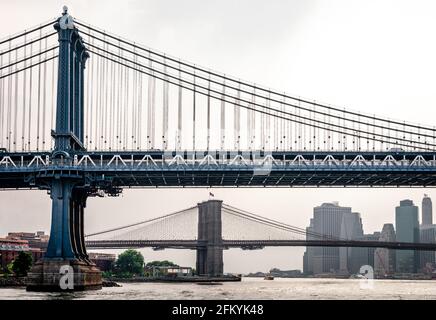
(331, 220)
(427, 233)
(407, 230)
(308, 255)
(384, 259)
(351, 229)
(363, 256)
(427, 211)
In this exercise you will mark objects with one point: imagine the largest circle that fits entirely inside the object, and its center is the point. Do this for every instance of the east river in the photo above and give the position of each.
(251, 288)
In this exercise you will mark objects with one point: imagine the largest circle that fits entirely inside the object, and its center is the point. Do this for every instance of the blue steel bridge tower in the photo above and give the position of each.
(66, 252)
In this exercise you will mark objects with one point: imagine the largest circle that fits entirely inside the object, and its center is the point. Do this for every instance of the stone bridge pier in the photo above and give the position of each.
(210, 256)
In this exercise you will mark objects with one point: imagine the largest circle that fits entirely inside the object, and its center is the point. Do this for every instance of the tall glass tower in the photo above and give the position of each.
(407, 226)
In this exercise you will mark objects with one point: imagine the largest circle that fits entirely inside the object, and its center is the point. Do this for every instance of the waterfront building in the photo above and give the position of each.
(11, 248)
(275, 272)
(384, 259)
(407, 230)
(35, 239)
(104, 261)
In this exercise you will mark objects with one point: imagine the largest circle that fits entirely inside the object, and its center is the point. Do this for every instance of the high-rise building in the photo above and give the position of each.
(363, 256)
(427, 211)
(331, 220)
(384, 259)
(308, 254)
(351, 229)
(427, 234)
(407, 230)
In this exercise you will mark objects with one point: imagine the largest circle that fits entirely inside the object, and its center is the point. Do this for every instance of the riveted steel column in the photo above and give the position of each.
(59, 245)
(64, 90)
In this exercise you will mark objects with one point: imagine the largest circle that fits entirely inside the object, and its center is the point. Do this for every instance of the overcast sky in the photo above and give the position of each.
(373, 56)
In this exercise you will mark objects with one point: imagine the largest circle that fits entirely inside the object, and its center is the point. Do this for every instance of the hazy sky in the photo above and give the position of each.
(372, 56)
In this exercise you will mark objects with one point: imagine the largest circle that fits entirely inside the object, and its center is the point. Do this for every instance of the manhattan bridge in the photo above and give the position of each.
(86, 113)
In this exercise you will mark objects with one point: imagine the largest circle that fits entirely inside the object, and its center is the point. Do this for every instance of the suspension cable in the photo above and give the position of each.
(272, 109)
(223, 76)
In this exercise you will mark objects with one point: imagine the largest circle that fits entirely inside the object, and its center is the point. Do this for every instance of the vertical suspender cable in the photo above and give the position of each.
(30, 106)
(140, 112)
(38, 132)
(153, 112)
(268, 124)
(93, 95)
(99, 104)
(249, 118)
(282, 125)
(208, 114)
(223, 116)
(296, 130)
(85, 107)
(105, 109)
(44, 95)
(165, 108)
(149, 94)
(237, 118)
(286, 127)
(276, 132)
(193, 111)
(119, 99)
(345, 132)
(2, 95)
(108, 107)
(97, 100)
(8, 122)
(23, 122)
(89, 95)
(262, 129)
(179, 113)
(134, 99)
(53, 107)
(16, 103)
(138, 92)
(112, 107)
(253, 120)
(126, 115)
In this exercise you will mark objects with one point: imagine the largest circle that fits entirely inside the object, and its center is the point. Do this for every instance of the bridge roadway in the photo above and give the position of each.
(256, 244)
(135, 169)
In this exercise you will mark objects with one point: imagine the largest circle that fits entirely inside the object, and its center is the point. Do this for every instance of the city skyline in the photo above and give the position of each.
(233, 257)
(359, 61)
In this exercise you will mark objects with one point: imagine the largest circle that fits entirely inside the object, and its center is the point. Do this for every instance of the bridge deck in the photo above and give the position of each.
(194, 244)
(223, 169)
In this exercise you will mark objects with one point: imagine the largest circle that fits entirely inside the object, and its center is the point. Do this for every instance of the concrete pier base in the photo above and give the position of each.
(64, 275)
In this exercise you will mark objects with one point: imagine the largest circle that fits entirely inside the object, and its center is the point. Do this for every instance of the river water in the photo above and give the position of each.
(251, 288)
